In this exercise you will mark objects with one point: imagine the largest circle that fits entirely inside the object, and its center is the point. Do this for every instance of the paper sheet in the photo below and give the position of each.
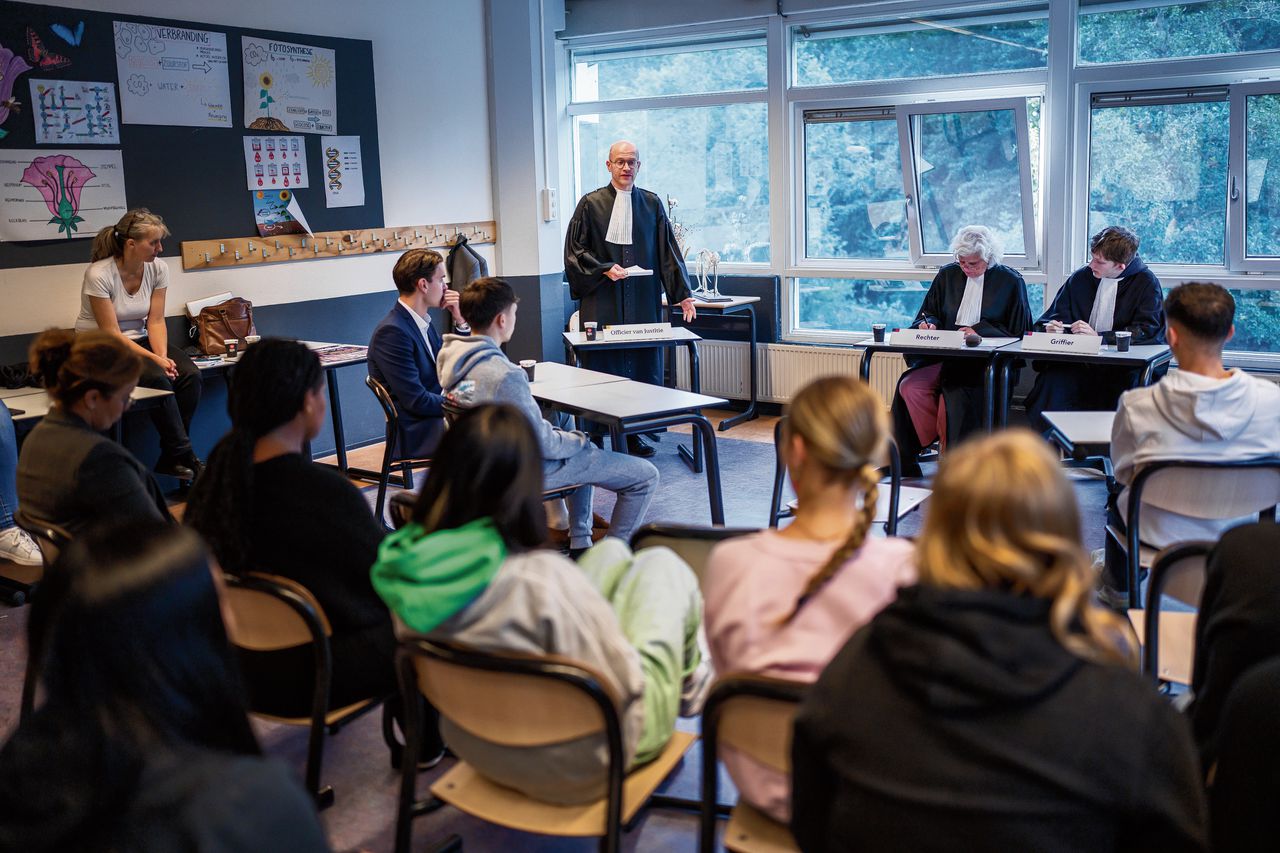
(289, 87)
(275, 163)
(343, 172)
(70, 112)
(51, 195)
(169, 75)
(636, 269)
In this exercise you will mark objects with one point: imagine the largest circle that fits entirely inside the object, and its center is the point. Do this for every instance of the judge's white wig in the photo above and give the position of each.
(977, 240)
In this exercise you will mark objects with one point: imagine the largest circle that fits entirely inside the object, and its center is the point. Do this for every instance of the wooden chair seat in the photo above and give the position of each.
(337, 715)
(752, 831)
(467, 790)
(1177, 642)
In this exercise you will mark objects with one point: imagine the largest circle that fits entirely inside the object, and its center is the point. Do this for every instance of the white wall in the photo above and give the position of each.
(429, 59)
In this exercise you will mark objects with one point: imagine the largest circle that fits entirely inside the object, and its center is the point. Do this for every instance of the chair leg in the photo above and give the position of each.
(315, 759)
(406, 476)
(384, 476)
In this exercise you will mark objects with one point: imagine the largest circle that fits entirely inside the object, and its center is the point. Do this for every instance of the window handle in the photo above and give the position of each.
(1235, 192)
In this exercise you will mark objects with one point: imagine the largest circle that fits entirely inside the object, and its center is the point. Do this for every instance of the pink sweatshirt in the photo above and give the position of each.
(752, 582)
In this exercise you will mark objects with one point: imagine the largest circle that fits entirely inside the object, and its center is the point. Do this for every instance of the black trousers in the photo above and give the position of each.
(173, 419)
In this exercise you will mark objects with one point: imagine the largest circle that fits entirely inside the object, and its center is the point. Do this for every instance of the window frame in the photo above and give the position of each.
(1237, 255)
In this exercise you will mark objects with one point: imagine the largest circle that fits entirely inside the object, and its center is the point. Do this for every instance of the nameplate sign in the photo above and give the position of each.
(927, 338)
(1061, 342)
(635, 332)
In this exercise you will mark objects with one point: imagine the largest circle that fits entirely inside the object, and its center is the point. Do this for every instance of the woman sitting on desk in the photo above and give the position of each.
(123, 293)
(68, 472)
(941, 399)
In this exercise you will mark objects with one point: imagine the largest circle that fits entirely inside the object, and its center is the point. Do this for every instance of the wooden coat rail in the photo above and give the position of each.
(245, 251)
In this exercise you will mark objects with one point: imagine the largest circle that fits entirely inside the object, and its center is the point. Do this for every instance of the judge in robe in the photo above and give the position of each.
(1114, 292)
(613, 228)
(941, 399)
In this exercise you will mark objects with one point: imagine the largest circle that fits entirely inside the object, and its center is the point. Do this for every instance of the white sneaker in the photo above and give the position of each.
(17, 546)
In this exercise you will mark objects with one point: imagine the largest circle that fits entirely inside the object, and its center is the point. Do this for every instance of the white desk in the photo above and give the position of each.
(1085, 438)
(680, 336)
(34, 403)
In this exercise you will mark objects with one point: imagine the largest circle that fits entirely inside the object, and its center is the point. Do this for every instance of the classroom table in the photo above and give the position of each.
(34, 403)
(332, 357)
(1146, 357)
(1085, 439)
(627, 407)
(988, 350)
(730, 311)
(576, 342)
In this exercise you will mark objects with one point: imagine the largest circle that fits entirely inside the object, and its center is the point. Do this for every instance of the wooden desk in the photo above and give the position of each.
(332, 357)
(986, 350)
(627, 407)
(729, 312)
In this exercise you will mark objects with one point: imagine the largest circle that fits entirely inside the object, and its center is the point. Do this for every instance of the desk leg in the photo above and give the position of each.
(1002, 391)
(750, 414)
(864, 366)
(988, 389)
(616, 438)
(335, 412)
(702, 430)
(570, 354)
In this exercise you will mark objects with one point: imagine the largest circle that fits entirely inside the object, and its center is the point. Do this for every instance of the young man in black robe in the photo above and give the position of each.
(1114, 292)
(613, 228)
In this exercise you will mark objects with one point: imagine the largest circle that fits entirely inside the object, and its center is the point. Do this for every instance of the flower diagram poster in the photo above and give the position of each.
(62, 195)
(174, 76)
(289, 88)
(275, 163)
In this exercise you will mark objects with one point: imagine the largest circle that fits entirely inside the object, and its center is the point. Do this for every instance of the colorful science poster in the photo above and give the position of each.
(70, 112)
(289, 87)
(169, 75)
(271, 212)
(275, 162)
(343, 174)
(60, 195)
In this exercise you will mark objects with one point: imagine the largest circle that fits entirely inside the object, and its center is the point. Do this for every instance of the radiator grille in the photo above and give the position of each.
(783, 369)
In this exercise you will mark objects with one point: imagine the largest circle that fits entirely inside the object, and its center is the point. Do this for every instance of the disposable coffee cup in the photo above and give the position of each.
(590, 330)
(529, 366)
(877, 332)
(249, 340)
(1122, 341)
(232, 346)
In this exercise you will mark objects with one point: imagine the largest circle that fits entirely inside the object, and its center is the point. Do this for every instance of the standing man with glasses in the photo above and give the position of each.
(616, 227)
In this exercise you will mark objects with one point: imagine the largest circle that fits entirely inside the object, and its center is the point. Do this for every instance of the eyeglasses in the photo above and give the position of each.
(628, 164)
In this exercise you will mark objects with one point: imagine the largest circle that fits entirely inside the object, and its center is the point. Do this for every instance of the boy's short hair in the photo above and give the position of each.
(1115, 243)
(1202, 309)
(484, 299)
(413, 265)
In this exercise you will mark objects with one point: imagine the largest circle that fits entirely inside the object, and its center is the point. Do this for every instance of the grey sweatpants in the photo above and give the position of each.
(632, 480)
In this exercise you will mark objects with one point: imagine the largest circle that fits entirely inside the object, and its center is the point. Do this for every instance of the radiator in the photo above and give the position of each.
(783, 369)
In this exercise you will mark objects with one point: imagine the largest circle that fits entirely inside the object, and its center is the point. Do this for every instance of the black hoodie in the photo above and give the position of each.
(956, 721)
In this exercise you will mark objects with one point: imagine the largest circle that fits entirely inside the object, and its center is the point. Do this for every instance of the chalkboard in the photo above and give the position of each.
(193, 177)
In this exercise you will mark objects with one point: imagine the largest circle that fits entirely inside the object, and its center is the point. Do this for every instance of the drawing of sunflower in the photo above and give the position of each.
(264, 80)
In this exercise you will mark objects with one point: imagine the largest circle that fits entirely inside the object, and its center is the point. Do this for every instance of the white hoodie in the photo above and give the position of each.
(1189, 416)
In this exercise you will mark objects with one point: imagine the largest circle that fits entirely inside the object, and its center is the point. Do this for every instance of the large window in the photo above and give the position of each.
(1112, 32)
(698, 115)
(1259, 200)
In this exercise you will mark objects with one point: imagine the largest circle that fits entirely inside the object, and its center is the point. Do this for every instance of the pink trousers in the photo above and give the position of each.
(921, 391)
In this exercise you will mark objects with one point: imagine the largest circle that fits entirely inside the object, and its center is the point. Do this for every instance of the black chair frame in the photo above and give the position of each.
(893, 471)
(410, 807)
(45, 533)
(1156, 583)
(323, 795)
(1132, 542)
(384, 477)
(726, 689)
(690, 531)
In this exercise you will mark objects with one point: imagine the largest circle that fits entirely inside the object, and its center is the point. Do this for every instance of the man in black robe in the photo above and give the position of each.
(1114, 292)
(606, 236)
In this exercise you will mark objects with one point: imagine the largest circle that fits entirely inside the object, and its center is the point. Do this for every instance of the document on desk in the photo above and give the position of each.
(636, 269)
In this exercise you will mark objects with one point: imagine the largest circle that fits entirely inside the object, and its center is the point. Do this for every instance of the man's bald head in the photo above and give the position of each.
(623, 164)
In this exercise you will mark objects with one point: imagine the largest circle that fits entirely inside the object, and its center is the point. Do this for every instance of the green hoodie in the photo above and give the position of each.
(427, 578)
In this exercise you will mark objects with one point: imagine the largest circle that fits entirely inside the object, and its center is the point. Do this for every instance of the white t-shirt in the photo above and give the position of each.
(102, 278)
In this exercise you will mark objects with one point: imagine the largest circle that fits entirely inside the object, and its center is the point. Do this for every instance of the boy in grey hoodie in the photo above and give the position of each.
(1200, 411)
(474, 369)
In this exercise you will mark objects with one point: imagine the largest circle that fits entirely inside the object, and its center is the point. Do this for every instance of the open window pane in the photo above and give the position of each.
(968, 172)
(714, 161)
(1262, 176)
(922, 46)
(1143, 30)
(726, 66)
(854, 207)
(1161, 170)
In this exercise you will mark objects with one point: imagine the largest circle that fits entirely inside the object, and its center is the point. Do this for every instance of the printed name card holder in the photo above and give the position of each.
(635, 332)
(946, 339)
(1062, 342)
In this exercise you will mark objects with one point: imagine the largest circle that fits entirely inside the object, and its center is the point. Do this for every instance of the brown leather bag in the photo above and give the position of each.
(226, 320)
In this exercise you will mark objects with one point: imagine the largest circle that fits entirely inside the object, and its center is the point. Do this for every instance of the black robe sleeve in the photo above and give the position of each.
(1141, 311)
(932, 310)
(584, 269)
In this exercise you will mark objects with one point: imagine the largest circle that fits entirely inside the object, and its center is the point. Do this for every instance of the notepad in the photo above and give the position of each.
(635, 269)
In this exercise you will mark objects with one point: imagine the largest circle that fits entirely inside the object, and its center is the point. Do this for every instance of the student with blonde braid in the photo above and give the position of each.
(782, 603)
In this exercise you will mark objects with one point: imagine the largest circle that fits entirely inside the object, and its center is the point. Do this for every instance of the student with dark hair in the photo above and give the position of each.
(263, 506)
(68, 472)
(1200, 411)
(404, 348)
(1114, 292)
(994, 705)
(474, 370)
(142, 742)
(782, 603)
(123, 294)
(470, 569)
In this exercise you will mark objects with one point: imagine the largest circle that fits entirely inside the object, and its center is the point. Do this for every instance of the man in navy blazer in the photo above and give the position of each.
(403, 350)
(1114, 292)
